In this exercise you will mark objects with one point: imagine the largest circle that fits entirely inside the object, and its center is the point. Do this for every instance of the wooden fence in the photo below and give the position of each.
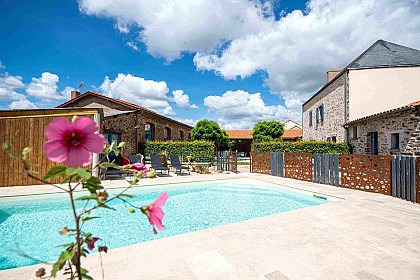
(404, 178)
(398, 176)
(326, 169)
(25, 128)
(227, 161)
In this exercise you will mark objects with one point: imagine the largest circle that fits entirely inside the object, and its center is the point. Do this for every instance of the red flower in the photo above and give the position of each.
(91, 242)
(154, 212)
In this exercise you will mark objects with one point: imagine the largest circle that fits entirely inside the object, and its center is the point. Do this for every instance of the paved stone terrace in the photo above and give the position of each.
(363, 236)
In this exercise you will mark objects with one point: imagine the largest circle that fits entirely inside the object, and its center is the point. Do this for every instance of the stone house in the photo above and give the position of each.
(384, 77)
(130, 123)
(395, 131)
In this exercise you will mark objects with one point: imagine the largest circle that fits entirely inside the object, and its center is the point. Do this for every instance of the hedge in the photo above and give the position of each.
(302, 147)
(199, 150)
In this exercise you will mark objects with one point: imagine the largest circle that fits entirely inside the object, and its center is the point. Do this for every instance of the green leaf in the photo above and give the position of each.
(105, 165)
(55, 171)
(122, 144)
(59, 264)
(107, 207)
(80, 172)
(85, 274)
(25, 152)
(90, 218)
(126, 195)
(93, 184)
(87, 197)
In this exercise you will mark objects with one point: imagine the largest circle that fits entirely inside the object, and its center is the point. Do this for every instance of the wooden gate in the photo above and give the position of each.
(404, 177)
(277, 164)
(326, 169)
(298, 166)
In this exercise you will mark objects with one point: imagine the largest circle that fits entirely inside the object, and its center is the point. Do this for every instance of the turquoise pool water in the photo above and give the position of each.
(30, 224)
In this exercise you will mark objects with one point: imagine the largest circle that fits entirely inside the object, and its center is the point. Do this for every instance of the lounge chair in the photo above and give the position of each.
(176, 164)
(156, 164)
(136, 158)
(112, 172)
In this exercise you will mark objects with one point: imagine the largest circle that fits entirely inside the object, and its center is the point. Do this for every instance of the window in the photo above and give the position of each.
(310, 118)
(321, 112)
(334, 139)
(167, 134)
(395, 141)
(355, 132)
(149, 132)
(317, 115)
(181, 135)
(189, 136)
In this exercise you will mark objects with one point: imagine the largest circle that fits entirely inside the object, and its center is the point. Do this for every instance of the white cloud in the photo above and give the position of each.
(170, 27)
(133, 45)
(146, 93)
(296, 51)
(2, 66)
(22, 104)
(241, 110)
(182, 100)
(45, 88)
(8, 86)
(190, 122)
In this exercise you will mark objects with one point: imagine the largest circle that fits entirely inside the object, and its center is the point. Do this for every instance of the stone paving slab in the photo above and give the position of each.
(362, 236)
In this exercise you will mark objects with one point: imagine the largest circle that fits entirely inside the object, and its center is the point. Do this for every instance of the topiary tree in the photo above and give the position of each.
(265, 131)
(210, 131)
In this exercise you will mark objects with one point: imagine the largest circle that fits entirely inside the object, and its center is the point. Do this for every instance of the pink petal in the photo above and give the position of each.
(85, 125)
(78, 156)
(57, 128)
(55, 150)
(160, 201)
(156, 216)
(94, 142)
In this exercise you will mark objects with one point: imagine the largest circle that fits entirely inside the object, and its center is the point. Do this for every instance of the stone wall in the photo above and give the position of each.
(334, 109)
(128, 124)
(406, 123)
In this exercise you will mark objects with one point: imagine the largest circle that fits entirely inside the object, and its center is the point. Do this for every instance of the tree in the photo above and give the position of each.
(265, 131)
(210, 131)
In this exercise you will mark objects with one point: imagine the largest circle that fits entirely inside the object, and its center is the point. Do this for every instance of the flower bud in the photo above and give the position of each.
(65, 230)
(103, 249)
(131, 210)
(40, 272)
(102, 196)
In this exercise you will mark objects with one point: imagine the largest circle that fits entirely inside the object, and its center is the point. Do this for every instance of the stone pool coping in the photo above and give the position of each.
(363, 236)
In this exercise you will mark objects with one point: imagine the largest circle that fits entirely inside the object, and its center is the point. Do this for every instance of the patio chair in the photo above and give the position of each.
(112, 172)
(176, 164)
(136, 158)
(156, 164)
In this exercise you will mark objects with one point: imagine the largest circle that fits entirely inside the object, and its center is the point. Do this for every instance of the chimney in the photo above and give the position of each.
(74, 94)
(332, 73)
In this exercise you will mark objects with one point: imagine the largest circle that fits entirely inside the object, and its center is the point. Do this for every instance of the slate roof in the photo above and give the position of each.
(381, 54)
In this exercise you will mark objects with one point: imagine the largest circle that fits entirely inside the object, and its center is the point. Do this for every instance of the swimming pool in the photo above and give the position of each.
(30, 224)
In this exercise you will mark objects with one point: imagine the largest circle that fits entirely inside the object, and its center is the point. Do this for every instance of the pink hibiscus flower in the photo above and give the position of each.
(139, 167)
(91, 242)
(154, 212)
(73, 143)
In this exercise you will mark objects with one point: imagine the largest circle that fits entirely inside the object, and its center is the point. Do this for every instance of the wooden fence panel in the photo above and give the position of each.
(404, 177)
(277, 164)
(370, 173)
(298, 166)
(260, 162)
(326, 169)
(223, 160)
(234, 162)
(28, 131)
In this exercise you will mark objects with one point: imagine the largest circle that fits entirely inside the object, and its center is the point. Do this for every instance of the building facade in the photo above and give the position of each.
(384, 77)
(130, 123)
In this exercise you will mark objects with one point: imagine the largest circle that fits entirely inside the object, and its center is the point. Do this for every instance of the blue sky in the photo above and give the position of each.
(233, 62)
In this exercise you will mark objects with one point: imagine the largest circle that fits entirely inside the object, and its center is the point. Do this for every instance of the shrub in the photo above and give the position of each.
(198, 150)
(302, 147)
